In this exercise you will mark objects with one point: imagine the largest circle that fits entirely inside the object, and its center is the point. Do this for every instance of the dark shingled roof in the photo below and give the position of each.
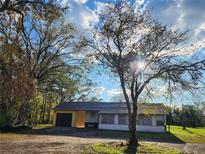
(152, 108)
(89, 106)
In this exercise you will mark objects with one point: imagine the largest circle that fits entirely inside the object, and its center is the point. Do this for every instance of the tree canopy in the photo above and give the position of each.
(139, 50)
(38, 66)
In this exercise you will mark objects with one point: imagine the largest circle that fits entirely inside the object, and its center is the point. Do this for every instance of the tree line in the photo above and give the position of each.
(39, 67)
(187, 115)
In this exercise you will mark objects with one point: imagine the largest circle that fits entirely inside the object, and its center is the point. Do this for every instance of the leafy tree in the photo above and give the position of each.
(140, 51)
(188, 115)
(16, 87)
(191, 116)
(200, 112)
(22, 8)
(37, 62)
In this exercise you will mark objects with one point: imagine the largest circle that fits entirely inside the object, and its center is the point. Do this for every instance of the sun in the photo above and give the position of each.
(137, 66)
(140, 65)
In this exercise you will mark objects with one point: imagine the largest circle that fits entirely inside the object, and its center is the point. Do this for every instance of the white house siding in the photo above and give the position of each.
(116, 119)
(151, 128)
(125, 127)
(165, 120)
(113, 126)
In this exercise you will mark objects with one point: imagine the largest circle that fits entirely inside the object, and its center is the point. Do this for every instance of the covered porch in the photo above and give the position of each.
(78, 119)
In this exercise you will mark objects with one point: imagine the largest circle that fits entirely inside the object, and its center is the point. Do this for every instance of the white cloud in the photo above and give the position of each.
(140, 1)
(79, 14)
(182, 15)
(81, 1)
(116, 95)
(159, 91)
(97, 90)
(114, 92)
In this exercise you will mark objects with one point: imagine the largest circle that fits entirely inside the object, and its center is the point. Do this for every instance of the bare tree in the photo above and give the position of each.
(141, 51)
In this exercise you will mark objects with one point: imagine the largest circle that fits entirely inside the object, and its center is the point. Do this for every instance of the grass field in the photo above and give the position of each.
(144, 148)
(190, 135)
(42, 126)
(177, 134)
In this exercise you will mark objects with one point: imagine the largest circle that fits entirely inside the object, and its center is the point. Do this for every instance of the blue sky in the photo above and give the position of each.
(180, 14)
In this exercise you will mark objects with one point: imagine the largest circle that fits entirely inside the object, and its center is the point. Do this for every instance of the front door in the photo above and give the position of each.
(63, 119)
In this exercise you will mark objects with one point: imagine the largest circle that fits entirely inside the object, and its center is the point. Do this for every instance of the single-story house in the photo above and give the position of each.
(112, 116)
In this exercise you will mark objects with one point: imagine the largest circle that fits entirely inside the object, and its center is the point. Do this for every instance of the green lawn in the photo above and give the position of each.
(177, 134)
(114, 148)
(190, 135)
(42, 126)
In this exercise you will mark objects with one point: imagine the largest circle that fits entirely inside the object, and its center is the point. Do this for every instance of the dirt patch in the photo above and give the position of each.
(45, 144)
(187, 148)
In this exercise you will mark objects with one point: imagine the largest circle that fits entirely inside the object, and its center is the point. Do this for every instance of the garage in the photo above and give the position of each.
(63, 119)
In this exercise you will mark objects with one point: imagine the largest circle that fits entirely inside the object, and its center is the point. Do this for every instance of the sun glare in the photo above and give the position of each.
(140, 65)
(137, 66)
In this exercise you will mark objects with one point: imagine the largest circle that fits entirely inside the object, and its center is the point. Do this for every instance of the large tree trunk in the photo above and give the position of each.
(132, 133)
(132, 113)
(49, 112)
(133, 140)
(44, 110)
(41, 110)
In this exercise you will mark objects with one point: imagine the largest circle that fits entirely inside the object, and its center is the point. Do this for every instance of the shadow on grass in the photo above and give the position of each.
(188, 131)
(103, 134)
(193, 133)
(160, 137)
(130, 149)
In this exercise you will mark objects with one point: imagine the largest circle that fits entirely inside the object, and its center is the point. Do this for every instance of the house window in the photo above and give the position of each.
(107, 118)
(92, 115)
(160, 123)
(147, 121)
(144, 120)
(159, 120)
(123, 119)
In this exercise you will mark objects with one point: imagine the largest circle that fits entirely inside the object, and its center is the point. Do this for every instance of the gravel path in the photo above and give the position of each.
(34, 144)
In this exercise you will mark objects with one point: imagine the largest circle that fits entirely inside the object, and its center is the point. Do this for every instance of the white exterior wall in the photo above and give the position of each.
(116, 119)
(151, 128)
(154, 121)
(165, 120)
(113, 126)
(125, 127)
(117, 126)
